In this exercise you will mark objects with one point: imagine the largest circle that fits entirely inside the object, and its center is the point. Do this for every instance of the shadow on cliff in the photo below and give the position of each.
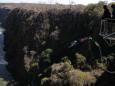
(4, 73)
(3, 13)
(108, 77)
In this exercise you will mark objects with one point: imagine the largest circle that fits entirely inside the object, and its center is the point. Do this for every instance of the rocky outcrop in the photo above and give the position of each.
(28, 30)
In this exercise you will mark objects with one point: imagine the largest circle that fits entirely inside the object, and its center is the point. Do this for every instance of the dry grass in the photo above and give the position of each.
(72, 77)
(79, 78)
(41, 7)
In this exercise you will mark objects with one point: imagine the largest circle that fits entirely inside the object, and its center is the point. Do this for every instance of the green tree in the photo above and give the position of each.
(95, 9)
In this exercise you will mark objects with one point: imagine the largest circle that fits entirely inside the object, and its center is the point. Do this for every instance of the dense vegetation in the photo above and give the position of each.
(39, 51)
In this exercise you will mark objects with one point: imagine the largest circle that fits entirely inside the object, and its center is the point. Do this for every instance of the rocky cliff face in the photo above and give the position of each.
(28, 33)
(3, 13)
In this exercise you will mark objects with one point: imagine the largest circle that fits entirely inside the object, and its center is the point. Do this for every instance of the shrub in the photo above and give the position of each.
(79, 78)
(101, 65)
(2, 82)
(59, 73)
(104, 62)
(44, 81)
(61, 67)
(80, 60)
(34, 64)
(46, 55)
(63, 74)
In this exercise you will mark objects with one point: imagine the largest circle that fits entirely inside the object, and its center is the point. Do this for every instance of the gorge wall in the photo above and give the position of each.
(3, 14)
(29, 33)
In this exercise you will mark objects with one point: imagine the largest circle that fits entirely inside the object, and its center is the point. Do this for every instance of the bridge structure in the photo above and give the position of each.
(107, 31)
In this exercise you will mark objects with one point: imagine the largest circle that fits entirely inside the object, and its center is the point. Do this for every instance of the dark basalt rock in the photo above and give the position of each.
(38, 31)
(3, 14)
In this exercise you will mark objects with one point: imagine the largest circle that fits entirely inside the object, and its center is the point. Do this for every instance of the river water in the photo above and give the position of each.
(4, 74)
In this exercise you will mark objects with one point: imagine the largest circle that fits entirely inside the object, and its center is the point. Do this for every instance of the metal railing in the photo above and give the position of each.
(107, 28)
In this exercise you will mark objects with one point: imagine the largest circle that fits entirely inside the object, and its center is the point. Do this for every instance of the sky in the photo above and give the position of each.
(85, 2)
